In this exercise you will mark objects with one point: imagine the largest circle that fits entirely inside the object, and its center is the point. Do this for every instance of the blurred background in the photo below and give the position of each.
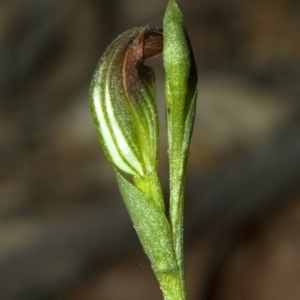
(64, 231)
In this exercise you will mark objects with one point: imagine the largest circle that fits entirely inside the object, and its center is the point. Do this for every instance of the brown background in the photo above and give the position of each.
(64, 231)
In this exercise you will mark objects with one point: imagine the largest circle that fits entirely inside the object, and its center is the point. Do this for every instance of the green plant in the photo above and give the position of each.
(123, 105)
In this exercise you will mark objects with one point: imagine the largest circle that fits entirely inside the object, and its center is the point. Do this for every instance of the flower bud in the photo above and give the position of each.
(122, 101)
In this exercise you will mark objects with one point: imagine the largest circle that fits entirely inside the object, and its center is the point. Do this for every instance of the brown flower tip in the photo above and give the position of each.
(146, 44)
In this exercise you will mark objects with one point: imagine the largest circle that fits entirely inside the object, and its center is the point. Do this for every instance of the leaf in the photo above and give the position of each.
(181, 95)
(150, 224)
(154, 232)
(181, 76)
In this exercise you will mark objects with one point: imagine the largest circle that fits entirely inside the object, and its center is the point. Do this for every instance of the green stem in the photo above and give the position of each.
(170, 285)
(177, 173)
